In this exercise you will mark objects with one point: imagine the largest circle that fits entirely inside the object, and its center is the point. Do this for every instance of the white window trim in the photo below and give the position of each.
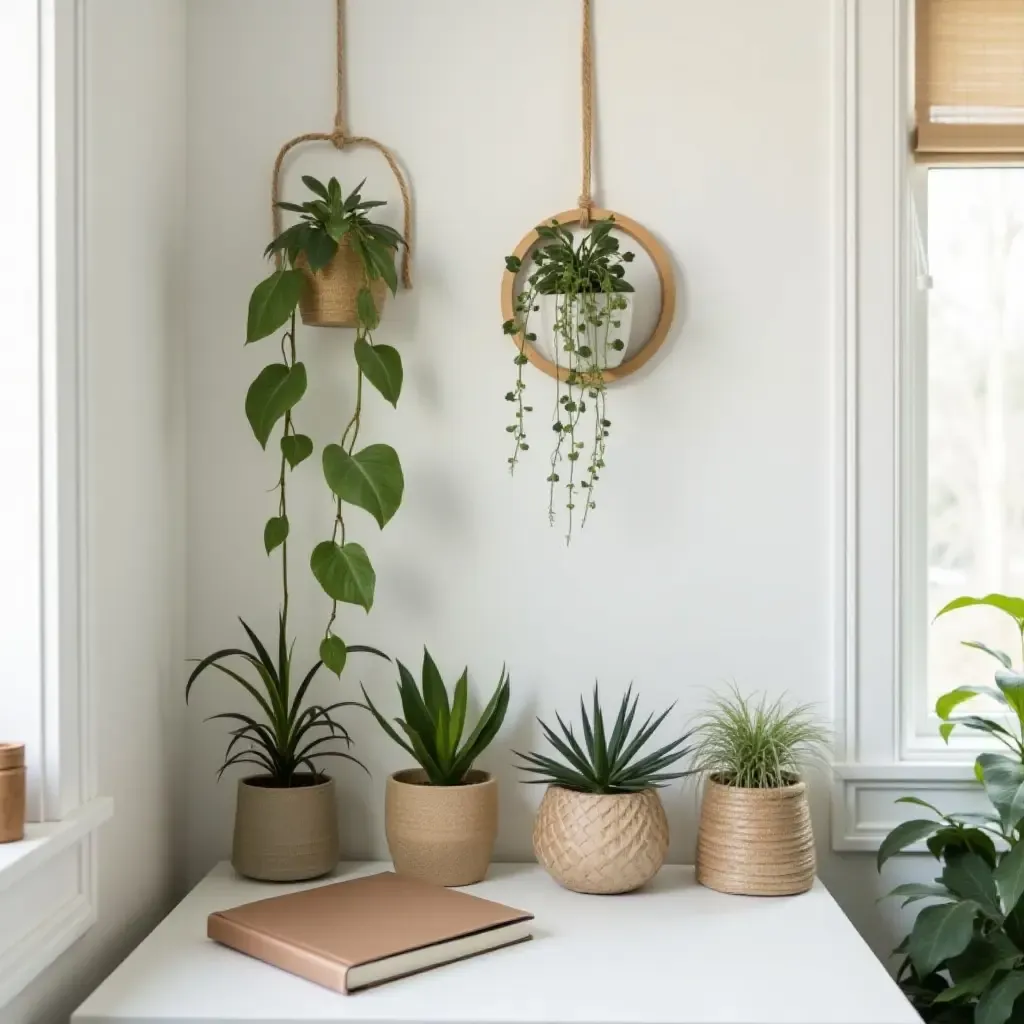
(887, 746)
(58, 856)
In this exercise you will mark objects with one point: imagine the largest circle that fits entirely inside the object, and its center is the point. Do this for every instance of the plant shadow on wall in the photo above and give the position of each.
(963, 961)
(334, 265)
(579, 293)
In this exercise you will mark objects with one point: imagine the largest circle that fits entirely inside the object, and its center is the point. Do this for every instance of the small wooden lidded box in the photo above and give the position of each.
(12, 792)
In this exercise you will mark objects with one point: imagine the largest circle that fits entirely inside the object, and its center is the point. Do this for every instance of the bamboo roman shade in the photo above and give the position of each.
(970, 80)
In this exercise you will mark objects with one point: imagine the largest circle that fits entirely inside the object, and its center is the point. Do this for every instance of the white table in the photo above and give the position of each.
(673, 953)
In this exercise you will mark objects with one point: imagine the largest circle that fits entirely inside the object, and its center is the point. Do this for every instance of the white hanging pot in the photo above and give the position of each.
(613, 325)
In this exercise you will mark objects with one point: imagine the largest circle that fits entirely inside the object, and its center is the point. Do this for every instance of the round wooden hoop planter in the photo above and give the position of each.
(666, 278)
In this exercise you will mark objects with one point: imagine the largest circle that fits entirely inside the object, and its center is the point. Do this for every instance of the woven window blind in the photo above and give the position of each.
(970, 80)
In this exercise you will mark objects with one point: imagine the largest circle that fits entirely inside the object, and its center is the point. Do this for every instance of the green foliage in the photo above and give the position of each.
(371, 478)
(964, 958)
(588, 279)
(282, 737)
(756, 744)
(607, 762)
(432, 729)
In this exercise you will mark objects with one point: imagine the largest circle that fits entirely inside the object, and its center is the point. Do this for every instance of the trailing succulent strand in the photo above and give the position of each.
(433, 727)
(588, 279)
(607, 762)
(370, 478)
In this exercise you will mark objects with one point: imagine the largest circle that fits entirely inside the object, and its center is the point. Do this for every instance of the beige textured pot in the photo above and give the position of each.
(601, 843)
(12, 792)
(442, 834)
(330, 298)
(755, 842)
(285, 834)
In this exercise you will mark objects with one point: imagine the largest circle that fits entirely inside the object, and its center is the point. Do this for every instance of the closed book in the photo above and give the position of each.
(364, 931)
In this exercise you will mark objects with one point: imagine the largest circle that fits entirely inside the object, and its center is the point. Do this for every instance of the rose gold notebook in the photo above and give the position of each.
(368, 930)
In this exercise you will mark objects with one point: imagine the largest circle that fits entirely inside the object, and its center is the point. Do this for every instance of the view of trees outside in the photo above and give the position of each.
(975, 229)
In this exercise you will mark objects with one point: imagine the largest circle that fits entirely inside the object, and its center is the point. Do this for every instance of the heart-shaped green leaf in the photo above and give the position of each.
(371, 479)
(275, 533)
(272, 303)
(344, 572)
(271, 395)
(382, 367)
(333, 653)
(296, 448)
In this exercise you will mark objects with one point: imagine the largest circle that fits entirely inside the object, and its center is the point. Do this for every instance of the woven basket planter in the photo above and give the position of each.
(755, 842)
(330, 298)
(441, 834)
(12, 792)
(600, 843)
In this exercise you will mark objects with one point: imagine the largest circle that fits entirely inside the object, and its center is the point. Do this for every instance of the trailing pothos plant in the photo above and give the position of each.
(963, 962)
(589, 281)
(370, 477)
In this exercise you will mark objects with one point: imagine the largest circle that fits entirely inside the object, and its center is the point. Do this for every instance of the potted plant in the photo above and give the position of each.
(580, 291)
(964, 957)
(601, 827)
(341, 252)
(755, 834)
(286, 819)
(333, 230)
(441, 819)
(12, 792)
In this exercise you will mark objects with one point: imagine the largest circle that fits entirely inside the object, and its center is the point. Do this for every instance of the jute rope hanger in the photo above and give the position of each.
(341, 139)
(586, 200)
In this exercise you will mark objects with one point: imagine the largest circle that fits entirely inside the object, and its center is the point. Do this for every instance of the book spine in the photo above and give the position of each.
(278, 953)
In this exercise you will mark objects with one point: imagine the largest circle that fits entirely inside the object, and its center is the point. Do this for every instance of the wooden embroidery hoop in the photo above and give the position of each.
(582, 215)
(666, 278)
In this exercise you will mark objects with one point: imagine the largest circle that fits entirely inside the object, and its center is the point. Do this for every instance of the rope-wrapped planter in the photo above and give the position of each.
(755, 842)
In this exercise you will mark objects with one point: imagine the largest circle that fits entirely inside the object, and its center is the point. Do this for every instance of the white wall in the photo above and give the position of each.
(710, 556)
(135, 190)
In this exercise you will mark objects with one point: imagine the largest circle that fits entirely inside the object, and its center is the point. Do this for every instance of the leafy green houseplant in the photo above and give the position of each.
(580, 289)
(963, 960)
(601, 827)
(441, 819)
(755, 835)
(369, 478)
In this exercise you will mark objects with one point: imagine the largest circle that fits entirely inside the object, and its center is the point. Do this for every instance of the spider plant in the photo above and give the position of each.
(433, 728)
(607, 763)
(754, 744)
(283, 739)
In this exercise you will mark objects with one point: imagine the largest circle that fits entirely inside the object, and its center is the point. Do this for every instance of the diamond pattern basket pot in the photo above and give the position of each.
(329, 298)
(755, 842)
(600, 842)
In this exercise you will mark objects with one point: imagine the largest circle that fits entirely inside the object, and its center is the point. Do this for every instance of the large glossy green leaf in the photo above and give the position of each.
(996, 1004)
(275, 533)
(903, 835)
(371, 478)
(1012, 606)
(276, 390)
(1003, 778)
(382, 367)
(971, 878)
(296, 448)
(950, 840)
(1009, 877)
(344, 572)
(939, 933)
(273, 302)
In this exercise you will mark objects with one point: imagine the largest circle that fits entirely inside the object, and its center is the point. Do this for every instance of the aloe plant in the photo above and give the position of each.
(433, 726)
(285, 739)
(607, 763)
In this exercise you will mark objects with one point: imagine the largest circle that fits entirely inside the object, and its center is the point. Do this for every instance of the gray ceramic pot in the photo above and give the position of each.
(285, 834)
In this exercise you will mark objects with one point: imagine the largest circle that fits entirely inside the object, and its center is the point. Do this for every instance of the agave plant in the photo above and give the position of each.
(285, 740)
(607, 764)
(433, 728)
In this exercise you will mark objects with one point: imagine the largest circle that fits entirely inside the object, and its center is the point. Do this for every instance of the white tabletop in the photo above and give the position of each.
(673, 953)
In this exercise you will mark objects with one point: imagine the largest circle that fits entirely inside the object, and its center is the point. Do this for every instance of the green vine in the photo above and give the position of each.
(588, 281)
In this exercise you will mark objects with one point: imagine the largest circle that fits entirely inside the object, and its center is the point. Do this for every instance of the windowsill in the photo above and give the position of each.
(45, 841)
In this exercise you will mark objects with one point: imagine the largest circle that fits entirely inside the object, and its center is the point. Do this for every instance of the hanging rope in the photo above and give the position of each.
(586, 200)
(341, 139)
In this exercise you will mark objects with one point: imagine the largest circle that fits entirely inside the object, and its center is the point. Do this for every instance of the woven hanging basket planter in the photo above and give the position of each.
(329, 299)
(755, 842)
(600, 842)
